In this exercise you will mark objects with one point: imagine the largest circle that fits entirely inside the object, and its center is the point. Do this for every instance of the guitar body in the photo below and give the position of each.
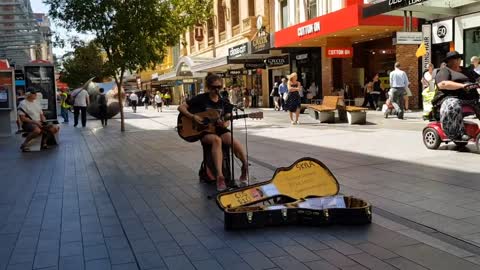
(189, 130)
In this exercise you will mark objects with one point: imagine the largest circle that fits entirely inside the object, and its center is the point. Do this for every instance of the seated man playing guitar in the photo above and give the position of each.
(212, 100)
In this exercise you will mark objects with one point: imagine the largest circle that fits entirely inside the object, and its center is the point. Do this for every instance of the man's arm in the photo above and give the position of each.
(87, 98)
(183, 108)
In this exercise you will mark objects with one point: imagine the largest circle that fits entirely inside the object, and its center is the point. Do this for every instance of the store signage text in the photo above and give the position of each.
(302, 56)
(221, 74)
(237, 72)
(403, 3)
(308, 29)
(339, 52)
(414, 38)
(238, 50)
(427, 40)
(261, 43)
(257, 65)
(276, 61)
(442, 31)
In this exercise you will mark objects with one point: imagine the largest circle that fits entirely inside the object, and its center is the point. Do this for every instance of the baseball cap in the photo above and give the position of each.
(30, 91)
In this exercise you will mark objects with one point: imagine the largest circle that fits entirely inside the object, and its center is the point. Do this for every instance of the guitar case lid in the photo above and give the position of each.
(306, 177)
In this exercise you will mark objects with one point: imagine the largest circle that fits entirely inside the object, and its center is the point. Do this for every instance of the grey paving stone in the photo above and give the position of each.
(310, 243)
(377, 251)
(112, 231)
(45, 259)
(178, 262)
(21, 256)
(197, 253)
(287, 262)
(429, 258)
(95, 252)
(127, 266)
(207, 265)
(121, 256)
(342, 247)
(102, 264)
(404, 264)
(48, 245)
(142, 245)
(71, 263)
(227, 257)
(240, 246)
(150, 260)
(211, 242)
(185, 239)
(300, 253)
(370, 262)
(334, 257)
(270, 249)
(116, 242)
(22, 266)
(166, 249)
(92, 239)
(71, 249)
(354, 267)
(71, 236)
(29, 243)
(160, 236)
(257, 260)
(321, 264)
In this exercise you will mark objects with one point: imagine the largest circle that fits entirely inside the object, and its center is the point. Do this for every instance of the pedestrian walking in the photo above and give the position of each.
(64, 107)
(159, 101)
(276, 96)
(167, 98)
(80, 104)
(283, 92)
(246, 97)
(102, 106)
(398, 83)
(475, 64)
(146, 100)
(294, 102)
(134, 101)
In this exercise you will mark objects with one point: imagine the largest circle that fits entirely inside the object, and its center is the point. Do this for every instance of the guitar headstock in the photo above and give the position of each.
(256, 115)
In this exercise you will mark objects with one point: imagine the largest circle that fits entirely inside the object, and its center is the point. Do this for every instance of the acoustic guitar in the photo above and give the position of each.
(191, 131)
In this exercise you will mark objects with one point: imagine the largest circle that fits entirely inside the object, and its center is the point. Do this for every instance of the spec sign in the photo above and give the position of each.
(308, 29)
(442, 31)
(339, 52)
(238, 50)
(427, 40)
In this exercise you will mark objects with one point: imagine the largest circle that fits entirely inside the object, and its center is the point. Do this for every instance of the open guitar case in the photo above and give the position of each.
(305, 193)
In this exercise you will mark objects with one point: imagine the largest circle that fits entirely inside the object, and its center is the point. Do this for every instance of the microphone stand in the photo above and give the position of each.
(232, 173)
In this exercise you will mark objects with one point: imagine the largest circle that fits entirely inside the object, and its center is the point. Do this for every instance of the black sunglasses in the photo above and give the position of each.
(216, 87)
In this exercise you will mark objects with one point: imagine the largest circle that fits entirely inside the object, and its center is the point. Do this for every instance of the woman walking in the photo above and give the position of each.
(294, 101)
(159, 101)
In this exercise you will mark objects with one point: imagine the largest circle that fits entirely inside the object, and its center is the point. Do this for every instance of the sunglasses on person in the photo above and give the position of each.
(216, 87)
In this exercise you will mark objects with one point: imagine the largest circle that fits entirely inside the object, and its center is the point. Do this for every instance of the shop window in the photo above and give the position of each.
(221, 17)
(471, 44)
(251, 8)
(235, 17)
(284, 13)
(211, 31)
(337, 71)
(312, 9)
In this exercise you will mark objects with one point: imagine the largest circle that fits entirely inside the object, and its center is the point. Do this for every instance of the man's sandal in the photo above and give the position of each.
(24, 148)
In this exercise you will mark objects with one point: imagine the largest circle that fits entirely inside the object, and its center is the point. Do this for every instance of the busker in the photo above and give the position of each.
(212, 100)
(34, 121)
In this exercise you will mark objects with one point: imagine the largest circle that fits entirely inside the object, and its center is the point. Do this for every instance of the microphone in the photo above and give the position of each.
(239, 106)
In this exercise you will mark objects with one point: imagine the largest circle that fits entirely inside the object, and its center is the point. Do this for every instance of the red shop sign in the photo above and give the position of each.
(339, 52)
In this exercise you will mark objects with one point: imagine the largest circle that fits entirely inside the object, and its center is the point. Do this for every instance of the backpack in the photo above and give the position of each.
(102, 100)
(70, 100)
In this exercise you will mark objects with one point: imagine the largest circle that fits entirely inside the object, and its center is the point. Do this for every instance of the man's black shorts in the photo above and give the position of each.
(29, 127)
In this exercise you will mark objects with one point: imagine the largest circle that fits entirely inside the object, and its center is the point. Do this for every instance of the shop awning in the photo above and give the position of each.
(346, 23)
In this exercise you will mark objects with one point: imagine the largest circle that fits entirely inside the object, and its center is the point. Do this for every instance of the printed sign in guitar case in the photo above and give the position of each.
(305, 193)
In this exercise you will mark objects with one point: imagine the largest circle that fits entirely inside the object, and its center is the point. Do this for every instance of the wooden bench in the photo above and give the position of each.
(356, 115)
(325, 113)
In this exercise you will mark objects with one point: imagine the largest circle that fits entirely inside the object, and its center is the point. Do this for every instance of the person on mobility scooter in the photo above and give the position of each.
(457, 97)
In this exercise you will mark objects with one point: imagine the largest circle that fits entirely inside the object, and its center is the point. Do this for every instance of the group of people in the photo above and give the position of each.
(157, 101)
(280, 93)
(236, 94)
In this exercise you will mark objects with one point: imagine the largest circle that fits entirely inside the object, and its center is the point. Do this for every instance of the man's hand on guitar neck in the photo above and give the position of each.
(198, 119)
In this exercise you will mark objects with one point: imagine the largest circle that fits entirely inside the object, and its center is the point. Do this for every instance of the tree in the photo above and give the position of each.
(133, 33)
(83, 64)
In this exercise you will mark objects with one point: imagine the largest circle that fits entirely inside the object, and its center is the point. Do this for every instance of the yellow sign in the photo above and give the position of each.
(306, 177)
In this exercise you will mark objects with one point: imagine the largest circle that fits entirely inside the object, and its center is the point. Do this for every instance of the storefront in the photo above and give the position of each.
(338, 50)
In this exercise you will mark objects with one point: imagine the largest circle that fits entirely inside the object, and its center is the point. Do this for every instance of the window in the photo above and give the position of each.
(251, 8)
(284, 13)
(221, 17)
(312, 9)
(235, 13)
(471, 43)
(211, 31)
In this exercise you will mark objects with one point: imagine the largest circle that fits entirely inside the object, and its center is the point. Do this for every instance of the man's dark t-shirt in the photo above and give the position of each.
(202, 102)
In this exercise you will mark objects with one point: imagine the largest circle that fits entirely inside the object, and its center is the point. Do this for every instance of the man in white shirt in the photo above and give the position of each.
(475, 61)
(33, 120)
(80, 105)
(134, 101)
(398, 83)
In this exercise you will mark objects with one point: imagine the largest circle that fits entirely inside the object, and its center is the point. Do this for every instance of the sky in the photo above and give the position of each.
(39, 7)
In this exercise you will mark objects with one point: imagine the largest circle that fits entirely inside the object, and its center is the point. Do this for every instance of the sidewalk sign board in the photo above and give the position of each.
(41, 76)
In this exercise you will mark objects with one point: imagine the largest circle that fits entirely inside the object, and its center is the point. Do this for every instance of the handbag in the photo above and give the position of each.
(285, 96)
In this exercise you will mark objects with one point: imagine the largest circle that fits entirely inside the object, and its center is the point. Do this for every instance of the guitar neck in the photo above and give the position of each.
(241, 116)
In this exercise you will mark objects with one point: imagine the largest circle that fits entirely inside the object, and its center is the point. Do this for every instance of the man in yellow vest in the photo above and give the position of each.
(167, 98)
(64, 107)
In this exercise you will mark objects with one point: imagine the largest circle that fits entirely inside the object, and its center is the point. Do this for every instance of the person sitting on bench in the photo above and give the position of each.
(212, 100)
(33, 120)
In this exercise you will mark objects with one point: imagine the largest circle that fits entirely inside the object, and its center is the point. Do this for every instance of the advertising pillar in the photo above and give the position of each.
(42, 78)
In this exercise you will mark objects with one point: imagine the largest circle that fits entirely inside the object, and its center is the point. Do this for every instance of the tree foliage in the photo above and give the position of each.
(83, 64)
(134, 33)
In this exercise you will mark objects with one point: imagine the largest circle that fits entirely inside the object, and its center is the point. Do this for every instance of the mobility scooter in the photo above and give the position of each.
(433, 134)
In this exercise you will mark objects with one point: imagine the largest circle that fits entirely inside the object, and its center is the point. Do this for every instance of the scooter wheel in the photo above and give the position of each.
(477, 142)
(431, 138)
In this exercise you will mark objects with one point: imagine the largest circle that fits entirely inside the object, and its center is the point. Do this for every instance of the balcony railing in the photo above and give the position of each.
(248, 26)
(223, 36)
(236, 30)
